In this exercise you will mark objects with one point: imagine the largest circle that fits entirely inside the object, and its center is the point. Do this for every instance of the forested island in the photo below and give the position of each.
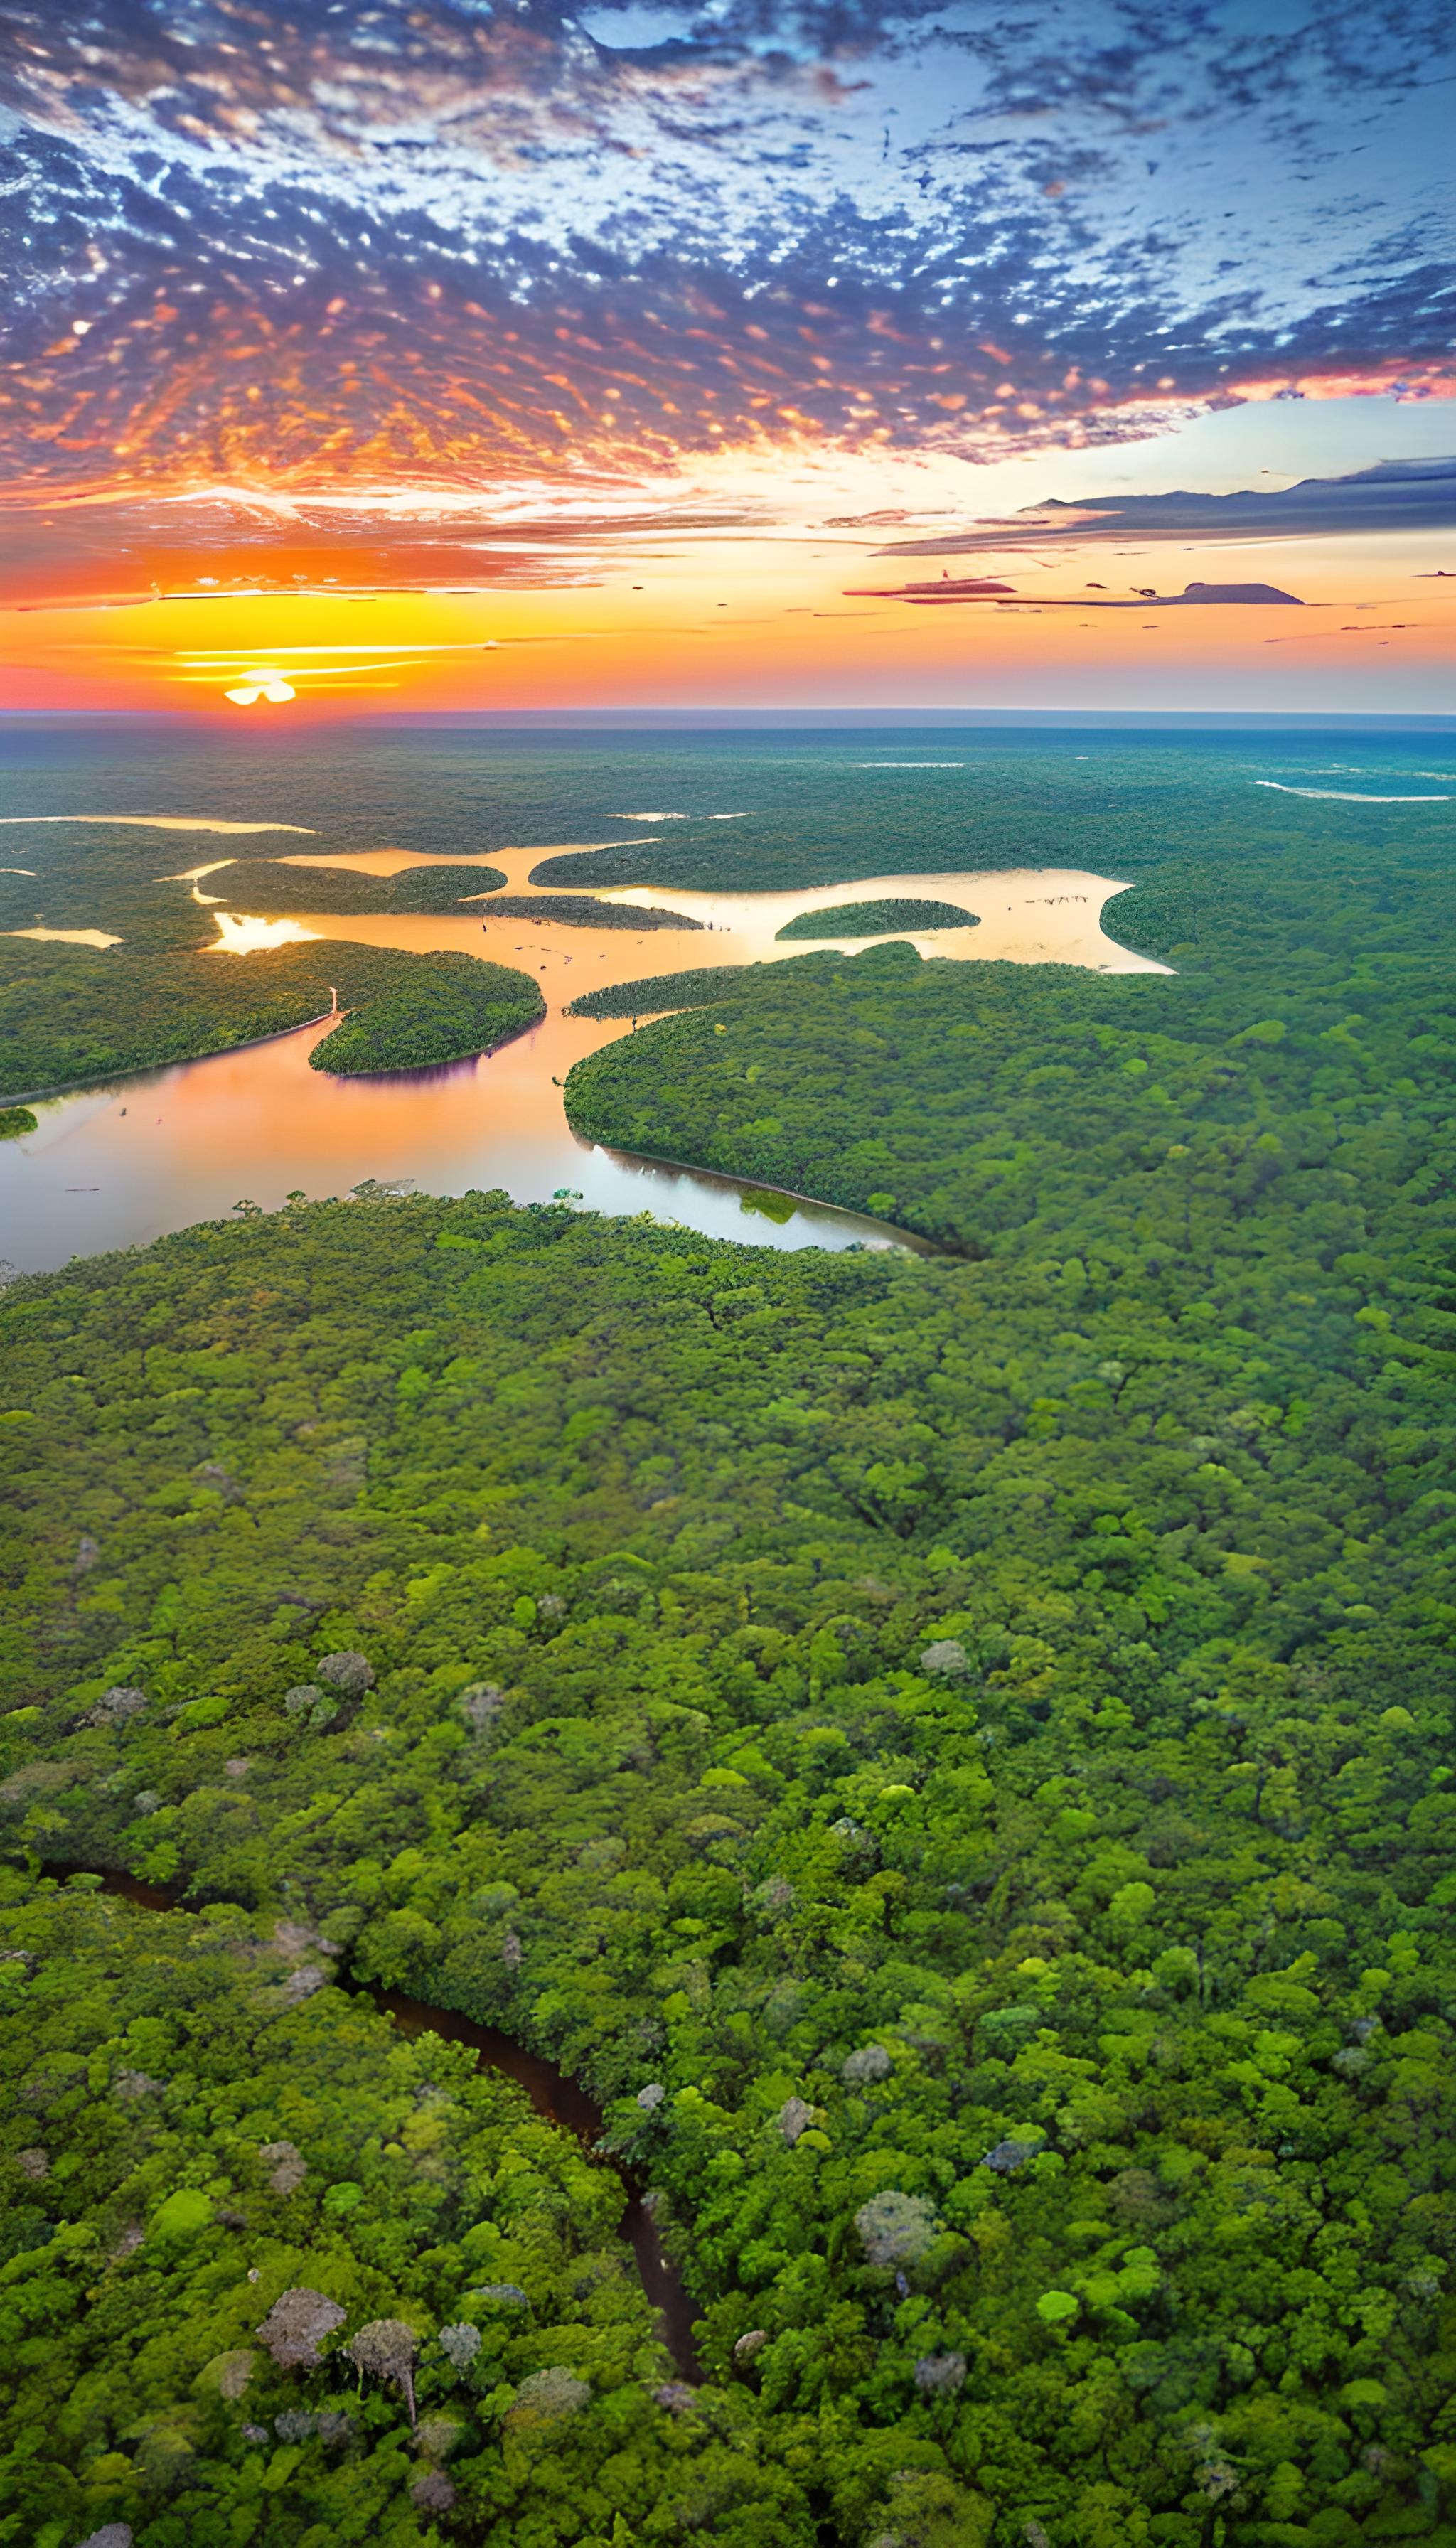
(270, 885)
(583, 911)
(424, 1010)
(878, 920)
(71, 1015)
(74, 1015)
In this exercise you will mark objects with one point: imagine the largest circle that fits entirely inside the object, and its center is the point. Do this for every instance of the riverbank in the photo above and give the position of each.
(557, 2099)
(117, 1167)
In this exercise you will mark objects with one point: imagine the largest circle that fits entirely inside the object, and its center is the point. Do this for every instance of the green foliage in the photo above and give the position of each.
(819, 812)
(954, 1753)
(185, 2098)
(69, 1016)
(268, 885)
(897, 1729)
(14, 1121)
(1043, 1108)
(878, 920)
(583, 911)
(654, 992)
(442, 1009)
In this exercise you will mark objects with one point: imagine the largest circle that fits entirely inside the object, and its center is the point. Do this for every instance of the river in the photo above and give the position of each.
(562, 2101)
(120, 1165)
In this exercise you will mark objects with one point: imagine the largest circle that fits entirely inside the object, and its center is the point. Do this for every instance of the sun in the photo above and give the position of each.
(262, 685)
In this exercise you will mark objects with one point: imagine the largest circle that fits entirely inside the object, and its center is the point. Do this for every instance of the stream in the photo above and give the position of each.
(562, 2101)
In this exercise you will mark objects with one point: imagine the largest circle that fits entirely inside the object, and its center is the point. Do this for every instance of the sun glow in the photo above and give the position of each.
(262, 686)
(241, 932)
(277, 684)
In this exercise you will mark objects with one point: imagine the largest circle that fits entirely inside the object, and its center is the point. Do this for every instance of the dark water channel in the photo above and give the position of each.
(562, 2101)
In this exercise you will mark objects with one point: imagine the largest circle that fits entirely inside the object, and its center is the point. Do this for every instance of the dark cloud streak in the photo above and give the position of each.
(1394, 495)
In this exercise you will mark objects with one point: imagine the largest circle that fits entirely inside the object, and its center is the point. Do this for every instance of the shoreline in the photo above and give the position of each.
(419, 1069)
(174, 1061)
(911, 1240)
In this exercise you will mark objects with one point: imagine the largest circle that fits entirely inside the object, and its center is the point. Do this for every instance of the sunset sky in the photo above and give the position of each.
(666, 352)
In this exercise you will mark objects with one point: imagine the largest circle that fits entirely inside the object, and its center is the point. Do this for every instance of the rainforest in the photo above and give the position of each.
(942, 1757)
(727, 1274)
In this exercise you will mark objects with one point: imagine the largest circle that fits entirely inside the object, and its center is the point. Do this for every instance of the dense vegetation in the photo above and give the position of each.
(14, 1121)
(814, 809)
(820, 812)
(583, 911)
(1173, 1114)
(198, 2124)
(1297, 1066)
(878, 920)
(70, 1015)
(956, 1753)
(655, 991)
(443, 1008)
(903, 1731)
(810, 811)
(268, 885)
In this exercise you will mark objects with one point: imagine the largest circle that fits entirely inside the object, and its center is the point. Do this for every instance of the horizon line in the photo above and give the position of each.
(1074, 716)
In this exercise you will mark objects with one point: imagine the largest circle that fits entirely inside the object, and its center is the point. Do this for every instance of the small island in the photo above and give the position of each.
(583, 911)
(878, 920)
(435, 1009)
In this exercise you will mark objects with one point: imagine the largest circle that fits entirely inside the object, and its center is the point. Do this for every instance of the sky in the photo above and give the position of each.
(480, 354)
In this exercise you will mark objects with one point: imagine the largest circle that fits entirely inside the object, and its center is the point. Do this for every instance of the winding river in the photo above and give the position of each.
(118, 1165)
(114, 1166)
(562, 2101)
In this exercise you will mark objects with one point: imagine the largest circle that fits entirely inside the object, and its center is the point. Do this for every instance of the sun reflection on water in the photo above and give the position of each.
(239, 934)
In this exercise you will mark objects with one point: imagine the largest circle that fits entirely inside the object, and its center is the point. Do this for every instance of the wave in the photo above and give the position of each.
(676, 818)
(1348, 797)
(909, 765)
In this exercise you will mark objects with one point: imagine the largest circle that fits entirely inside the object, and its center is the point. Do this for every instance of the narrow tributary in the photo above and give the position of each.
(561, 2100)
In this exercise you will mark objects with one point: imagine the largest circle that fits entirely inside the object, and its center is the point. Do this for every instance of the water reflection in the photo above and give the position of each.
(119, 1166)
(1024, 916)
(116, 1167)
(238, 934)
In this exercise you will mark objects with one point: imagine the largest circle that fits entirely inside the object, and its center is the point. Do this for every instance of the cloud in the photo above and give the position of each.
(977, 587)
(292, 245)
(1393, 496)
(118, 548)
(1002, 596)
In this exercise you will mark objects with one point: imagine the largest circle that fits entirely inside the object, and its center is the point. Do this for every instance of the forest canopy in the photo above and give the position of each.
(878, 920)
(953, 1753)
(70, 1015)
(441, 1007)
(901, 1731)
(267, 886)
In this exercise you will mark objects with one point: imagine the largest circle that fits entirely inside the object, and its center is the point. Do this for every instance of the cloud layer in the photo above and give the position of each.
(1396, 495)
(1004, 596)
(295, 247)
